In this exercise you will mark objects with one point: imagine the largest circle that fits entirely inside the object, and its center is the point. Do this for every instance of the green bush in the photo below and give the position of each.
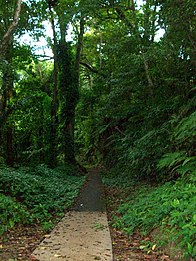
(181, 160)
(178, 162)
(170, 207)
(185, 131)
(43, 191)
(11, 213)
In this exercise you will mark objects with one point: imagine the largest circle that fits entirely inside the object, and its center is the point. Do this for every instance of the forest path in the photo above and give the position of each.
(83, 233)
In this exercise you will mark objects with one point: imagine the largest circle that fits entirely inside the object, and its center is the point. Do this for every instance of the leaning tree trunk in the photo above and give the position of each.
(9, 34)
(6, 48)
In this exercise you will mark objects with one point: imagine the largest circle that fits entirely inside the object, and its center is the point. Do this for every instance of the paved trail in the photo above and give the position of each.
(83, 234)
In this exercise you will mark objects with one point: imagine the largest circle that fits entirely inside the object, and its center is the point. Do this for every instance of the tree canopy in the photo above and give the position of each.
(118, 89)
(111, 94)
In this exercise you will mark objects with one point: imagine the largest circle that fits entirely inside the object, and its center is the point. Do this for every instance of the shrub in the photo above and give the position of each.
(43, 191)
(170, 207)
(11, 213)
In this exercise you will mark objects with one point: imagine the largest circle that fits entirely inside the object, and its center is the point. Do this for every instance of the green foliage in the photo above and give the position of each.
(145, 152)
(142, 110)
(169, 207)
(135, 114)
(186, 129)
(178, 162)
(114, 179)
(43, 191)
(171, 159)
(181, 162)
(11, 213)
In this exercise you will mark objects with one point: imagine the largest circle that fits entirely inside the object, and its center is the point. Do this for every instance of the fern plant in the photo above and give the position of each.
(186, 129)
(182, 161)
(178, 162)
(171, 160)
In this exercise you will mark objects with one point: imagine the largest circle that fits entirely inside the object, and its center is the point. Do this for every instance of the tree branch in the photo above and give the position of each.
(7, 36)
(79, 47)
(92, 69)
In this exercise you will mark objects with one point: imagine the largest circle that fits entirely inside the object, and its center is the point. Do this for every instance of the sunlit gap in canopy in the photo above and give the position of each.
(160, 31)
(41, 46)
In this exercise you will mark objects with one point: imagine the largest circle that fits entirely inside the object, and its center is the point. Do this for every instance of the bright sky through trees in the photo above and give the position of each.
(41, 46)
(112, 97)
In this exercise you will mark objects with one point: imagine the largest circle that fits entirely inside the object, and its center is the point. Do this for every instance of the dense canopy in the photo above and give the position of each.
(115, 86)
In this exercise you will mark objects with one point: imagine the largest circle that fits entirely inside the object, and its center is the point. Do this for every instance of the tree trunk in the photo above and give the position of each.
(148, 76)
(79, 49)
(71, 102)
(54, 121)
(6, 48)
(9, 34)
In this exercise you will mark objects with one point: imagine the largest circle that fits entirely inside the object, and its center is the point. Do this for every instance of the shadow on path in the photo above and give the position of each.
(91, 197)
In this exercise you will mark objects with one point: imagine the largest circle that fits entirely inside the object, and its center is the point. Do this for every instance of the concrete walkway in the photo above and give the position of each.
(83, 234)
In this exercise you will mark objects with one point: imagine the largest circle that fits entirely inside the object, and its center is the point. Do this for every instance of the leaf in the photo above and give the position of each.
(47, 236)
(171, 159)
(186, 128)
(11, 223)
(142, 247)
(188, 160)
(42, 248)
(190, 248)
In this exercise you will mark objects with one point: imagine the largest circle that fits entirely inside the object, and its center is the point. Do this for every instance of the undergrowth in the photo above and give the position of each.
(39, 194)
(168, 208)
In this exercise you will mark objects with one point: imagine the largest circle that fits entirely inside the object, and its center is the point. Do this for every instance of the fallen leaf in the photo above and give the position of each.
(164, 257)
(42, 248)
(153, 248)
(47, 236)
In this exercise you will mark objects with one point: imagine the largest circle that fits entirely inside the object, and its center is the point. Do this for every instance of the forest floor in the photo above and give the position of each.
(127, 247)
(85, 226)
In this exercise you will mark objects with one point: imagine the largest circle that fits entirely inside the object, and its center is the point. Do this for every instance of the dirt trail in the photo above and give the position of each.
(83, 234)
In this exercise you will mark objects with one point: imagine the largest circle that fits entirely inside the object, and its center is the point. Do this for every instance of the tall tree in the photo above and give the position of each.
(54, 117)
(6, 49)
(69, 86)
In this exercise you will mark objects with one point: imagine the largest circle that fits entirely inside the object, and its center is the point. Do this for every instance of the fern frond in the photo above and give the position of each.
(188, 168)
(170, 160)
(186, 128)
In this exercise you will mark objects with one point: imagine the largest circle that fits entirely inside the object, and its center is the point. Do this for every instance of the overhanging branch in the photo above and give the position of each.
(92, 69)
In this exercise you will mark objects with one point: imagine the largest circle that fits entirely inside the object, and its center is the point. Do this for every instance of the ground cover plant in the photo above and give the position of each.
(36, 195)
(166, 212)
(119, 93)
